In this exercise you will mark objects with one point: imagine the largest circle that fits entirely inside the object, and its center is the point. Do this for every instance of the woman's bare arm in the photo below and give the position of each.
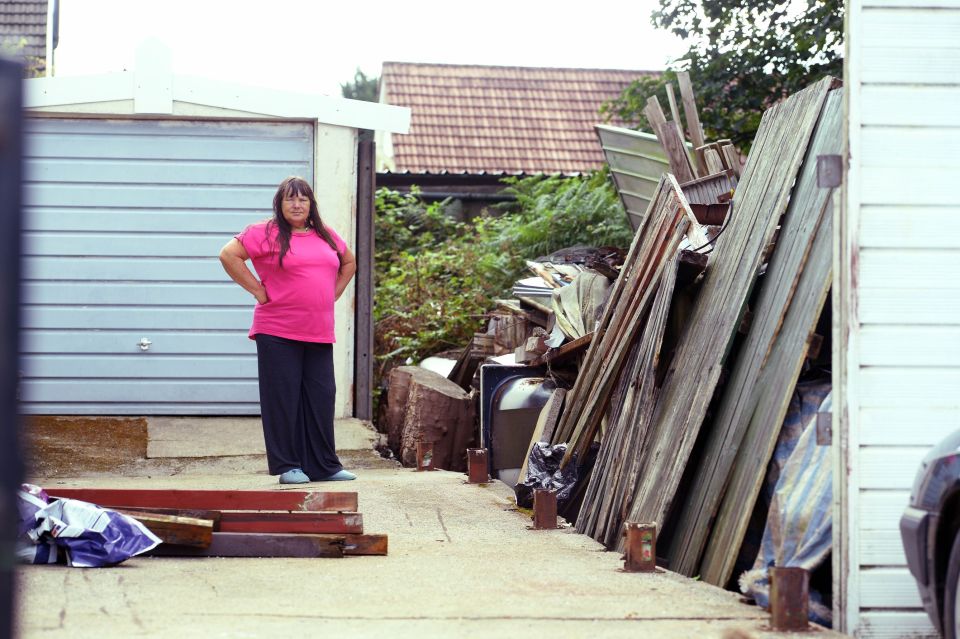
(348, 266)
(234, 259)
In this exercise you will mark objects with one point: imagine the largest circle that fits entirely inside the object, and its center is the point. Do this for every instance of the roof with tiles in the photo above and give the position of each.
(24, 21)
(512, 119)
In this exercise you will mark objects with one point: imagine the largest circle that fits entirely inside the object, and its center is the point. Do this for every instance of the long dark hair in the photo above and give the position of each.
(297, 186)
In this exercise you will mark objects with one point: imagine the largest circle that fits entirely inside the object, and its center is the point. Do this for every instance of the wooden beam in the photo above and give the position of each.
(225, 544)
(757, 397)
(171, 529)
(363, 309)
(712, 159)
(297, 522)
(684, 398)
(670, 138)
(732, 158)
(296, 500)
(674, 111)
(690, 109)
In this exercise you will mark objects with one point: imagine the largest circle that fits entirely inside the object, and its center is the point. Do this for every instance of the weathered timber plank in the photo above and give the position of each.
(196, 513)
(172, 529)
(667, 220)
(760, 200)
(694, 129)
(308, 500)
(612, 483)
(296, 522)
(782, 359)
(672, 101)
(228, 544)
(786, 313)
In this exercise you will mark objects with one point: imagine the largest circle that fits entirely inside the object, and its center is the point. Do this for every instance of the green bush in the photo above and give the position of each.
(436, 278)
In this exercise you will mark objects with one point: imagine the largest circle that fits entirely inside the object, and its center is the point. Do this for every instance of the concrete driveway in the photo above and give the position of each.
(463, 562)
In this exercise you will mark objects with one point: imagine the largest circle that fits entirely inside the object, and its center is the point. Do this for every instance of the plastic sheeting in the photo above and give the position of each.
(75, 532)
(799, 528)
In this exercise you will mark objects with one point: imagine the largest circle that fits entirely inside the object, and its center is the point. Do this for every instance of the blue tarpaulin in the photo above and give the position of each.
(799, 529)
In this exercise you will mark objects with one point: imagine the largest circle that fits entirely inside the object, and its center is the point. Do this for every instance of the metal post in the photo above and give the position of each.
(789, 598)
(641, 547)
(477, 465)
(425, 456)
(11, 470)
(544, 509)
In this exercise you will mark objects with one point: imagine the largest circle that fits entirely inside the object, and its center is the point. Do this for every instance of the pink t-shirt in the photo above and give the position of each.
(300, 295)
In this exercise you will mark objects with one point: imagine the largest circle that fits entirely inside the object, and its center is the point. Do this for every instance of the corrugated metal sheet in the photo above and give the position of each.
(636, 161)
(123, 222)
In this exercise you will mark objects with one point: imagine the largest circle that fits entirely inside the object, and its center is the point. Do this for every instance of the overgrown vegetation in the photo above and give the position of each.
(362, 87)
(436, 278)
(743, 58)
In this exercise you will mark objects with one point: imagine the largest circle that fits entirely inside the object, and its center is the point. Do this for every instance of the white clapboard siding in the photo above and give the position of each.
(903, 387)
(916, 305)
(913, 267)
(902, 316)
(889, 467)
(920, 426)
(888, 588)
(123, 221)
(916, 147)
(881, 509)
(917, 46)
(882, 548)
(891, 345)
(896, 625)
(921, 106)
(908, 226)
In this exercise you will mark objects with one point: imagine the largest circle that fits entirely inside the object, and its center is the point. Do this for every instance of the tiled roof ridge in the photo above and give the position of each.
(451, 65)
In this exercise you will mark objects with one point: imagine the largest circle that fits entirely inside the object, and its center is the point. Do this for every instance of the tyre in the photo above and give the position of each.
(951, 594)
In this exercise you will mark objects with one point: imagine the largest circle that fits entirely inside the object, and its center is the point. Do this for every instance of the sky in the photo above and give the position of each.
(316, 45)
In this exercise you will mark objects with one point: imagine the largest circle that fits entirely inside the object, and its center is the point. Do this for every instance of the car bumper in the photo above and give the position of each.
(915, 527)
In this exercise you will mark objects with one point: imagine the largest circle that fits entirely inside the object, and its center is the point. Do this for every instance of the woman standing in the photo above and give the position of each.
(303, 268)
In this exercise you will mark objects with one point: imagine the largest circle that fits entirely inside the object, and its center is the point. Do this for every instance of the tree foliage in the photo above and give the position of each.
(436, 278)
(362, 88)
(744, 56)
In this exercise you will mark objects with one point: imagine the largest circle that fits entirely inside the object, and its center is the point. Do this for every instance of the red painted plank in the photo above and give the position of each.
(296, 500)
(259, 545)
(301, 522)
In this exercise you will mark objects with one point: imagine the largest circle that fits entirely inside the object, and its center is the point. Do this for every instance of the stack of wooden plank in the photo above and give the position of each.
(654, 246)
(241, 523)
(710, 159)
(778, 221)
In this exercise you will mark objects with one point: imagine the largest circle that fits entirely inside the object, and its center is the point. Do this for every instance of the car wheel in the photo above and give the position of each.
(951, 594)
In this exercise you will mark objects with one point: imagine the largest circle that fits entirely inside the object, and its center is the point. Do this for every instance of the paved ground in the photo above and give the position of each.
(462, 563)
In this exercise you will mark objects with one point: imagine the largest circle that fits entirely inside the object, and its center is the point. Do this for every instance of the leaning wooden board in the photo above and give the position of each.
(293, 500)
(761, 198)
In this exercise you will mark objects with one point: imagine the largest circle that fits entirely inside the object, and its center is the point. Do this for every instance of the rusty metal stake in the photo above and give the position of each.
(641, 547)
(789, 598)
(544, 509)
(425, 456)
(477, 465)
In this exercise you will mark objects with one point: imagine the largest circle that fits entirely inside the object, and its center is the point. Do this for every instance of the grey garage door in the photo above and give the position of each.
(126, 307)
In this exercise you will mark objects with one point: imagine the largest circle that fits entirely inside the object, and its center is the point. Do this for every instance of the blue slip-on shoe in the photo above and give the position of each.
(343, 475)
(295, 476)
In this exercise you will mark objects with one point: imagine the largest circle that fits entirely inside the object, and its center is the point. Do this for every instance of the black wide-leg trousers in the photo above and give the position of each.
(297, 393)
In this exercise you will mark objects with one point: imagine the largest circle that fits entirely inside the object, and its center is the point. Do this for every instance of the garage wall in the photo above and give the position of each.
(901, 280)
(123, 222)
